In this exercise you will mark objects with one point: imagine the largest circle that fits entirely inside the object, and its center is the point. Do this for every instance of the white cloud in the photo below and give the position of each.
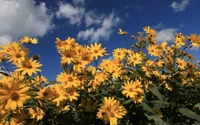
(23, 17)
(72, 13)
(103, 32)
(4, 39)
(77, 2)
(99, 26)
(179, 6)
(159, 26)
(92, 17)
(195, 48)
(166, 34)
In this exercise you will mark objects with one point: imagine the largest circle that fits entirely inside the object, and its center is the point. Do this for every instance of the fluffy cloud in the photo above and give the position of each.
(99, 26)
(23, 17)
(78, 2)
(179, 6)
(166, 34)
(103, 32)
(72, 13)
(91, 17)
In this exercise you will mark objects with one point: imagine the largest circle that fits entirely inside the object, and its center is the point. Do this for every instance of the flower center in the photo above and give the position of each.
(56, 95)
(14, 96)
(27, 65)
(18, 55)
(112, 114)
(45, 94)
(70, 79)
(130, 90)
(95, 51)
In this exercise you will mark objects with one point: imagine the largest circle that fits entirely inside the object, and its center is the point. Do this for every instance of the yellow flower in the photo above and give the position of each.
(45, 93)
(135, 59)
(26, 39)
(111, 111)
(179, 42)
(97, 50)
(194, 39)
(28, 66)
(119, 53)
(39, 80)
(71, 94)
(181, 63)
(131, 89)
(13, 94)
(36, 113)
(168, 86)
(68, 79)
(58, 93)
(152, 50)
(122, 32)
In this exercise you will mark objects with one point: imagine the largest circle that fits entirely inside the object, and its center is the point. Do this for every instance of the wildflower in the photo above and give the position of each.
(26, 39)
(28, 66)
(71, 94)
(36, 113)
(110, 111)
(12, 96)
(194, 39)
(96, 50)
(131, 89)
(122, 32)
(68, 79)
(119, 53)
(58, 94)
(181, 63)
(135, 59)
(152, 50)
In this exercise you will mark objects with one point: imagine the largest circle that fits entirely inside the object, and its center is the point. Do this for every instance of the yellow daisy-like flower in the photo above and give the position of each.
(111, 110)
(68, 79)
(181, 63)
(134, 59)
(13, 94)
(97, 50)
(26, 39)
(36, 113)
(45, 93)
(39, 80)
(131, 89)
(194, 39)
(122, 32)
(119, 53)
(72, 94)
(152, 50)
(58, 94)
(28, 66)
(179, 42)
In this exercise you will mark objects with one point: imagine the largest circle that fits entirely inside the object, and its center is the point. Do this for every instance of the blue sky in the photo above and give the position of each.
(93, 21)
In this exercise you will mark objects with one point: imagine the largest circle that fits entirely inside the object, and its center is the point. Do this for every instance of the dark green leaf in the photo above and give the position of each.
(155, 91)
(197, 105)
(157, 120)
(127, 102)
(189, 113)
(147, 108)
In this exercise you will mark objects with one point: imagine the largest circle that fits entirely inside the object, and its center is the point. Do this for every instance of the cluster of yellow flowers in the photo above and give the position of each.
(27, 98)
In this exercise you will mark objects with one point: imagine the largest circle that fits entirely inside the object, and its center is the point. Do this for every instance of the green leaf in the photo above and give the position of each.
(157, 120)
(197, 105)
(147, 108)
(127, 102)
(155, 91)
(189, 113)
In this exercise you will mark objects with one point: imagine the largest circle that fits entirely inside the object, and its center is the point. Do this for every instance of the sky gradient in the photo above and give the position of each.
(91, 21)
